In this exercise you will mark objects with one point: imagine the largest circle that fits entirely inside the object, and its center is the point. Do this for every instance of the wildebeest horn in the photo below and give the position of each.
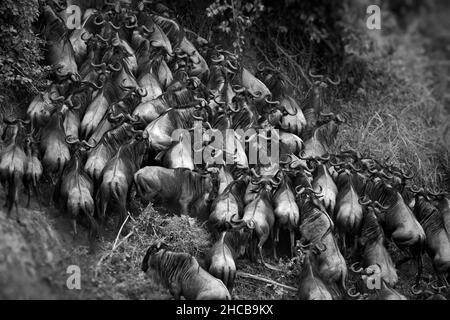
(113, 26)
(148, 30)
(353, 268)
(336, 82)
(237, 88)
(113, 68)
(219, 59)
(202, 101)
(253, 171)
(142, 92)
(133, 23)
(71, 140)
(101, 65)
(233, 109)
(10, 121)
(99, 22)
(271, 102)
(380, 206)
(118, 117)
(352, 166)
(364, 203)
(314, 75)
(415, 189)
(232, 67)
(56, 99)
(416, 291)
(286, 112)
(93, 85)
(83, 36)
(436, 287)
(406, 176)
(321, 249)
(86, 144)
(353, 295)
(330, 114)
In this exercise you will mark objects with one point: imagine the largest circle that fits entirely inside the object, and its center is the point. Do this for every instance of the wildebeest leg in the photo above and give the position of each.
(28, 197)
(276, 240)
(175, 290)
(343, 244)
(292, 236)
(261, 242)
(403, 261)
(38, 196)
(184, 207)
(419, 268)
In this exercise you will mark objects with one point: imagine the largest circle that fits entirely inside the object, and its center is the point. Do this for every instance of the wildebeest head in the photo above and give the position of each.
(154, 248)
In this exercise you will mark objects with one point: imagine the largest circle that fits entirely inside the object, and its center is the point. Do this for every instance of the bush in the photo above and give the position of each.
(20, 50)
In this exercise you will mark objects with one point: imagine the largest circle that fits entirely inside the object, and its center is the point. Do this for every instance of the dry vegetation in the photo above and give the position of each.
(393, 113)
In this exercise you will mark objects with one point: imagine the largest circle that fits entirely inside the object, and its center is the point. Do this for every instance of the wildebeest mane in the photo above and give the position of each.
(326, 134)
(193, 180)
(179, 98)
(116, 137)
(371, 230)
(173, 265)
(53, 28)
(428, 216)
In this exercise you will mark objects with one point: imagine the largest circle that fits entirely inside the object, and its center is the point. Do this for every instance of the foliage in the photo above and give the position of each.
(234, 18)
(20, 49)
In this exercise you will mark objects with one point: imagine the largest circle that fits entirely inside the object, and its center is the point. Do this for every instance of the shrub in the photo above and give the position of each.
(20, 50)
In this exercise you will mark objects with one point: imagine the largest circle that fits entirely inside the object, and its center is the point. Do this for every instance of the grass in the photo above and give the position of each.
(395, 116)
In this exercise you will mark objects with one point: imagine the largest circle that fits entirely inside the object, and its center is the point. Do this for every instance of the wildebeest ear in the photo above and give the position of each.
(162, 246)
(151, 250)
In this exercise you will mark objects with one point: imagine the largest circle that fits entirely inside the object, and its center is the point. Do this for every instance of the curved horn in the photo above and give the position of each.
(113, 68)
(335, 82)
(318, 76)
(86, 144)
(351, 294)
(71, 140)
(101, 65)
(99, 22)
(114, 26)
(271, 102)
(364, 203)
(219, 59)
(416, 291)
(253, 171)
(353, 268)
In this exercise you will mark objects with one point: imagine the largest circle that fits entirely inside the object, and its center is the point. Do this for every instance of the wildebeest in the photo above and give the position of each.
(13, 162)
(437, 243)
(348, 213)
(373, 250)
(324, 184)
(60, 52)
(316, 229)
(182, 275)
(398, 221)
(117, 178)
(227, 204)
(260, 218)
(221, 260)
(74, 191)
(286, 212)
(105, 149)
(181, 185)
(34, 170)
(311, 286)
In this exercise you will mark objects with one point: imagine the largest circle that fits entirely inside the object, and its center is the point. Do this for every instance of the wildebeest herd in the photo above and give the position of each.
(131, 76)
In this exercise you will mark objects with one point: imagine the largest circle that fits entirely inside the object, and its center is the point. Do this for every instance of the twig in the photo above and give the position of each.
(120, 231)
(251, 276)
(291, 60)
